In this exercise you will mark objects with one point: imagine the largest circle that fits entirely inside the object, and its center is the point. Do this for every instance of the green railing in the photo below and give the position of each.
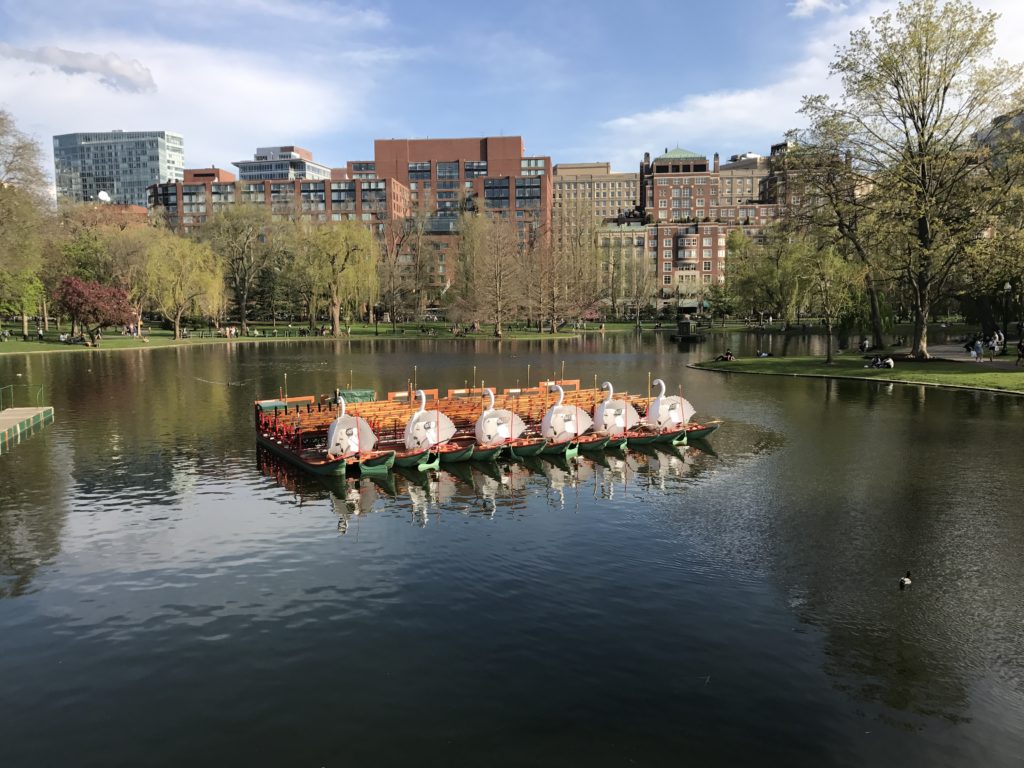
(33, 392)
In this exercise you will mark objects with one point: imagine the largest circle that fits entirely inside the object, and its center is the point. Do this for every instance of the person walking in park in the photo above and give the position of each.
(978, 350)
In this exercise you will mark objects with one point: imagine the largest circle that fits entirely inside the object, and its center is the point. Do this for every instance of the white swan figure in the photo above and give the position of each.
(497, 425)
(564, 422)
(427, 428)
(349, 435)
(668, 412)
(613, 417)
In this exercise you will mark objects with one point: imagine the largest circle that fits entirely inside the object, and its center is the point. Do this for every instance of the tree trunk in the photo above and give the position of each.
(46, 315)
(24, 324)
(828, 341)
(243, 304)
(876, 311)
(920, 349)
(177, 326)
(335, 317)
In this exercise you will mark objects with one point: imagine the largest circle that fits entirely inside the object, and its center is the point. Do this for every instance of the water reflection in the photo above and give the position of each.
(489, 489)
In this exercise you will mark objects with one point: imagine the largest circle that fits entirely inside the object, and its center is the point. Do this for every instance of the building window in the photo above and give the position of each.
(707, 266)
(667, 279)
(448, 170)
(419, 171)
(666, 267)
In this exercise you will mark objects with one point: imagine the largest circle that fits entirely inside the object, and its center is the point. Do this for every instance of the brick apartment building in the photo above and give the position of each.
(693, 205)
(437, 178)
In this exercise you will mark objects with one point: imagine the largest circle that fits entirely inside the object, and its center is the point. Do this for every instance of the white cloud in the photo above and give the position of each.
(810, 7)
(113, 71)
(750, 119)
(225, 102)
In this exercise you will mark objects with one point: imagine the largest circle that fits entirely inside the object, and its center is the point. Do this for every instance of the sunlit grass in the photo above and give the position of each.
(937, 372)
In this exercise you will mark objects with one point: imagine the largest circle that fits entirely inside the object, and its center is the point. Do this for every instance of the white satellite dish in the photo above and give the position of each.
(103, 196)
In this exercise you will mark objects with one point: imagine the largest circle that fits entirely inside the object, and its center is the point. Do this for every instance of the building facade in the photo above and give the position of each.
(121, 163)
(189, 204)
(447, 176)
(692, 205)
(279, 163)
(594, 185)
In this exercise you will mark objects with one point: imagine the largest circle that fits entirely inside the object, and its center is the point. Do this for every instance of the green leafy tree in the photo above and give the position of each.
(183, 275)
(23, 215)
(240, 236)
(919, 86)
(835, 285)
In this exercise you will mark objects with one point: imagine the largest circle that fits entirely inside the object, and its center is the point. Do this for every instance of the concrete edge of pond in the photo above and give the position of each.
(962, 387)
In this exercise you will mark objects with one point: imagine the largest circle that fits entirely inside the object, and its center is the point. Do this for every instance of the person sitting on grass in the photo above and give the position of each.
(728, 357)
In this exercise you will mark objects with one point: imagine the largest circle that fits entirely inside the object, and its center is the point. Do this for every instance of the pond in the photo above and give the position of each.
(171, 596)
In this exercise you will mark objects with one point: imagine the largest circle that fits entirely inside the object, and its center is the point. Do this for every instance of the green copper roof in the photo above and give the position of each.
(681, 154)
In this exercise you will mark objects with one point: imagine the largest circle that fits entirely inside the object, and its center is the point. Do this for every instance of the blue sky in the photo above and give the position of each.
(578, 80)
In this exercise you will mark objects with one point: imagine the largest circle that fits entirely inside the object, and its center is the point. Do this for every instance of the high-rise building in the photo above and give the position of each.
(277, 163)
(121, 163)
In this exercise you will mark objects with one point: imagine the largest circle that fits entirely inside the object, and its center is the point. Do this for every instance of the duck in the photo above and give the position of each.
(905, 581)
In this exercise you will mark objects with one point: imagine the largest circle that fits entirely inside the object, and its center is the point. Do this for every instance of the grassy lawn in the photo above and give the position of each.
(949, 374)
(160, 338)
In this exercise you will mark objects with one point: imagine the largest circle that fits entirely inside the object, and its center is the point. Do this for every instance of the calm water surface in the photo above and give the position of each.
(168, 596)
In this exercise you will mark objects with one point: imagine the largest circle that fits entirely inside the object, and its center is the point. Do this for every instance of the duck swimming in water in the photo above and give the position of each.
(905, 581)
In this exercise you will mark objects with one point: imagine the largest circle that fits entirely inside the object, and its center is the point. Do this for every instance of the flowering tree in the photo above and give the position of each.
(93, 304)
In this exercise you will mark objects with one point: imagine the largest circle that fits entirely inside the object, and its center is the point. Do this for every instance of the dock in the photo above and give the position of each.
(18, 422)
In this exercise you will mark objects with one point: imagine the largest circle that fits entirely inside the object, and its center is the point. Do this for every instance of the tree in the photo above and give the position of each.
(91, 303)
(23, 210)
(918, 89)
(720, 303)
(768, 276)
(834, 282)
(131, 249)
(239, 235)
(393, 265)
(182, 275)
(345, 251)
(828, 196)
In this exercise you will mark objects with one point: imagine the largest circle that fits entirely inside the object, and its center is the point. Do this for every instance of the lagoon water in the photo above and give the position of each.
(169, 596)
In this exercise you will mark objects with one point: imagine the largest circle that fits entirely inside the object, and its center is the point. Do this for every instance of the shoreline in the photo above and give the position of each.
(123, 344)
(935, 370)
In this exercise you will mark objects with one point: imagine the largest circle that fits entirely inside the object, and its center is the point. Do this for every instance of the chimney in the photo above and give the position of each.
(716, 162)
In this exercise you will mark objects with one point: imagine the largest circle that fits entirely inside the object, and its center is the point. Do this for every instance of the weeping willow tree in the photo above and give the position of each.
(346, 257)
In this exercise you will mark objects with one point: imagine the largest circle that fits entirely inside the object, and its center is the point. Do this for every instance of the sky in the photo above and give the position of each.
(579, 80)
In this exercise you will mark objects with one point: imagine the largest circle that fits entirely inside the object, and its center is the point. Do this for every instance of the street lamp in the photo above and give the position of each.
(1007, 288)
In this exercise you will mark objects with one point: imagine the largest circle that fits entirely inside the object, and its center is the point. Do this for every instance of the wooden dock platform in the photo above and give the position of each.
(18, 422)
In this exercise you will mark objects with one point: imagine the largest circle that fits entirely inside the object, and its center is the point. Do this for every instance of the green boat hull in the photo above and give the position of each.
(569, 448)
(375, 466)
(650, 439)
(703, 432)
(618, 442)
(421, 461)
(486, 454)
(378, 465)
(675, 436)
(527, 451)
(594, 446)
(450, 457)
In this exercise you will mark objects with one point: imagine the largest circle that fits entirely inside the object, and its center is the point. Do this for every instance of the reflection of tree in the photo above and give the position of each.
(32, 512)
(839, 541)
